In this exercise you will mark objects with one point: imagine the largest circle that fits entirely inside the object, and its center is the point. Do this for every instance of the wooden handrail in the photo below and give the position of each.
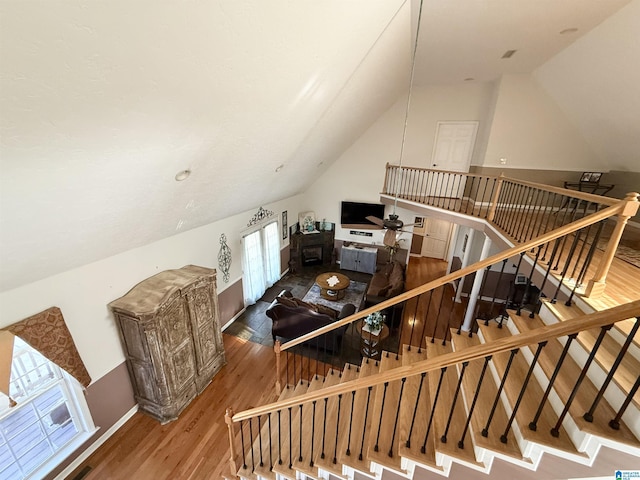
(559, 190)
(549, 332)
(547, 237)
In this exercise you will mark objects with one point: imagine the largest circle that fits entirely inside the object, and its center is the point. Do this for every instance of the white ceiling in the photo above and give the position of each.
(102, 103)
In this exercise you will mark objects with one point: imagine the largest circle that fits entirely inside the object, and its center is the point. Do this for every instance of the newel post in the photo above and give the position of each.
(493, 203)
(386, 179)
(232, 444)
(597, 284)
(276, 348)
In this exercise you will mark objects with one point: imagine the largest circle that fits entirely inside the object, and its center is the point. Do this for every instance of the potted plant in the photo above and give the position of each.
(373, 322)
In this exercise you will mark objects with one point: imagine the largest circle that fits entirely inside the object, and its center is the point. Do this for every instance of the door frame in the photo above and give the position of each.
(475, 123)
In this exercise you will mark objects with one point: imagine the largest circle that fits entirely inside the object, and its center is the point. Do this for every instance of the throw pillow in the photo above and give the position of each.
(327, 311)
(286, 301)
(300, 303)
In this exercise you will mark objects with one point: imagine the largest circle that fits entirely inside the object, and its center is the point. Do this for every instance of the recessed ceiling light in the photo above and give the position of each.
(279, 167)
(568, 30)
(508, 53)
(182, 175)
(469, 79)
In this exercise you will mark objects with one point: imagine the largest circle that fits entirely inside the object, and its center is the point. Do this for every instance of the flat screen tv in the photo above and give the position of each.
(356, 213)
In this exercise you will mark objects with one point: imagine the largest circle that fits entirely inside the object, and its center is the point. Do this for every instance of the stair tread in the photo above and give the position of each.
(484, 402)
(302, 449)
(530, 401)
(442, 411)
(350, 372)
(283, 468)
(357, 418)
(388, 424)
(586, 393)
(413, 451)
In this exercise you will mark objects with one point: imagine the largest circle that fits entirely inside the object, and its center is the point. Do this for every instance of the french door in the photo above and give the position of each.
(260, 261)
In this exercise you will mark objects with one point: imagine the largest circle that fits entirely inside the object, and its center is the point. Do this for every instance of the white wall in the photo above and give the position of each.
(358, 174)
(531, 131)
(83, 293)
(600, 73)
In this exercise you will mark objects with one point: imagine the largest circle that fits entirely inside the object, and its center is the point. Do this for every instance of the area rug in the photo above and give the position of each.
(627, 254)
(353, 294)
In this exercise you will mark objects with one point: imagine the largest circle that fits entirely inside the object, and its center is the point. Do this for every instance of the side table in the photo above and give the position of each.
(370, 344)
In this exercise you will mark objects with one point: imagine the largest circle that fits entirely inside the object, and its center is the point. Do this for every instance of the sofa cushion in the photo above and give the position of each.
(303, 304)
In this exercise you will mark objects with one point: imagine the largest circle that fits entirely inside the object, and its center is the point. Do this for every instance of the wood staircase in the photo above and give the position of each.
(519, 387)
(379, 428)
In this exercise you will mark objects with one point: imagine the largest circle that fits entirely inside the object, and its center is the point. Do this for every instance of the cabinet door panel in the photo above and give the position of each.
(348, 259)
(175, 323)
(182, 367)
(206, 347)
(144, 380)
(133, 338)
(200, 304)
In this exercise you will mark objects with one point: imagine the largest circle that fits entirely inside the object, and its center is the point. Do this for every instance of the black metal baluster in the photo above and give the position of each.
(471, 200)
(279, 438)
(424, 322)
(364, 426)
(485, 430)
(588, 416)
(313, 432)
(493, 187)
(555, 431)
(300, 436)
(473, 402)
(592, 249)
(579, 257)
(435, 324)
(534, 215)
(270, 445)
(495, 291)
(443, 439)
(324, 427)
(525, 215)
(244, 463)
(253, 463)
(615, 422)
(413, 324)
(290, 436)
(520, 208)
(335, 447)
(511, 220)
(423, 449)
(395, 424)
(384, 396)
(503, 437)
(260, 441)
(533, 425)
(353, 397)
(504, 200)
(415, 410)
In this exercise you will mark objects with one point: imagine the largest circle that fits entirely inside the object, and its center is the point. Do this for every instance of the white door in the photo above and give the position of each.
(436, 238)
(452, 151)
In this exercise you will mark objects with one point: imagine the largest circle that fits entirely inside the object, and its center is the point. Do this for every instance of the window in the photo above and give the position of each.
(49, 421)
(260, 261)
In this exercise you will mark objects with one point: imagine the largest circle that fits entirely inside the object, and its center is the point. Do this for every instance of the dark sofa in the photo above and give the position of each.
(386, 283)
(293, 318)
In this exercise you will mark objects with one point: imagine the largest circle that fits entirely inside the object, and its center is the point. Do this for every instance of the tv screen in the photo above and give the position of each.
(356, 213)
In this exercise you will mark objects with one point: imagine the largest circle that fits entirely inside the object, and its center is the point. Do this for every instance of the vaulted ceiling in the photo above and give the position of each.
(103, 103)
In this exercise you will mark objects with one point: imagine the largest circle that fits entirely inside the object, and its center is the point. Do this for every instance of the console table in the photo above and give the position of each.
(358, 259)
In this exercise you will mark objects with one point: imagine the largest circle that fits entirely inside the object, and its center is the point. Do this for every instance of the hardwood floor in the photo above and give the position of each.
(196, 445)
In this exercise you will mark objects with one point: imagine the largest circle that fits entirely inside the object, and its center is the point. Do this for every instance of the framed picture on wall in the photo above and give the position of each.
(285, 228)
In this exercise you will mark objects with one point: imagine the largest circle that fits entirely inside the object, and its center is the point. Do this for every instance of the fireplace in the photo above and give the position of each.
(312, 255)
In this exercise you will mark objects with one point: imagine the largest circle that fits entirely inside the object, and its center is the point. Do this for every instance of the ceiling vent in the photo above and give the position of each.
(508, 53)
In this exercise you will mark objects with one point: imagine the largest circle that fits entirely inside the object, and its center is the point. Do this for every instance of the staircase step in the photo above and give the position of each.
(349, 449)
(350, 372)
(421, 420)
(587, 392)
(385, 430)
(284, 467)
(484, 403)
(626, 373)
(443, 408)
(529, 403)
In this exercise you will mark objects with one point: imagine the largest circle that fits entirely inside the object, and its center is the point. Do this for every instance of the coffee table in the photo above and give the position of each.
(332, 285)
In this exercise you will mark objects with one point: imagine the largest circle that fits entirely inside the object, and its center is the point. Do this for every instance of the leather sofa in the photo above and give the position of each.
(293, 318)
(386, 283)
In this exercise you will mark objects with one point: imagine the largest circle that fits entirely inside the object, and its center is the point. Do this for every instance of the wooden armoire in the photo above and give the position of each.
(170, 330)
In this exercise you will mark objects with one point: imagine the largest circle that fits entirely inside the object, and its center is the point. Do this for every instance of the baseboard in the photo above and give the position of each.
(97, 444)
(233, 319)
